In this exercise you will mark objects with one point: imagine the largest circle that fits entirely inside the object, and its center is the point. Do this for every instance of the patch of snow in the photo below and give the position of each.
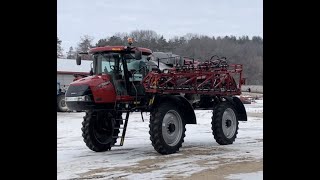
(254, 107)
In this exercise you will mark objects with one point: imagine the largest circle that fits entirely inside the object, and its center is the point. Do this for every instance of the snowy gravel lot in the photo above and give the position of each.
(199, 158)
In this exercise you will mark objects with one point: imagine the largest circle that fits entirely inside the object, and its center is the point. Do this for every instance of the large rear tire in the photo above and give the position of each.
(100, 130)
(224, 123)
(61, 103)
(167, 128)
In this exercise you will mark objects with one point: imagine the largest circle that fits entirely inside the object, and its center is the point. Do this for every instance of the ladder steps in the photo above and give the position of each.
(124, 128)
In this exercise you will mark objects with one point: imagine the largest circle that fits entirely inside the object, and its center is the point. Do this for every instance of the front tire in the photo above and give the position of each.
(167, 129)
(100, 130)
(61, 103)
(225, 123)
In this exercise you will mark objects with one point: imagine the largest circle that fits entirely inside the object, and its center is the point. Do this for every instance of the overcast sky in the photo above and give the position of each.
(102, 18)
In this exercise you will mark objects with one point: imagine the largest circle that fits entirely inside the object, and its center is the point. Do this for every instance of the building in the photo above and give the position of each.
(67, 68)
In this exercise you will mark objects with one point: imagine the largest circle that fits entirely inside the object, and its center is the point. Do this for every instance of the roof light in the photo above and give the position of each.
(130, 41)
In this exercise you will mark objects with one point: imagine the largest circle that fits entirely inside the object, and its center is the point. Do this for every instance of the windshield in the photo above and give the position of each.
(105, 63)
(108, 62)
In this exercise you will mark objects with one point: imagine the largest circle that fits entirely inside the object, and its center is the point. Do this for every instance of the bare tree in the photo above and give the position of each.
(84, 45)
(71, 54)
(102, 42)
(59, 48)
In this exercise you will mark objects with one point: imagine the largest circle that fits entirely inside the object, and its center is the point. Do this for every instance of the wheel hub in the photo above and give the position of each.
(228, 123)
(171, 128)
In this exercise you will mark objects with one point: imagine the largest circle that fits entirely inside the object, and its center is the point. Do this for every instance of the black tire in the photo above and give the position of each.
(157, 136)
(98, 130)
(224, 128)
(61, 103)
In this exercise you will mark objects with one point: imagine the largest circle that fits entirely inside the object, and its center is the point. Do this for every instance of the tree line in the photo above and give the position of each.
(240, 50)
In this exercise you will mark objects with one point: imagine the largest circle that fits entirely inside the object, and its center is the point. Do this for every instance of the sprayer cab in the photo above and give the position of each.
(113, 77)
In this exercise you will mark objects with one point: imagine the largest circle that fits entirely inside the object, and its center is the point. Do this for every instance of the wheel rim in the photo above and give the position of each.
(229, 123)
(103, 130)
(63, 103)
(172, 128)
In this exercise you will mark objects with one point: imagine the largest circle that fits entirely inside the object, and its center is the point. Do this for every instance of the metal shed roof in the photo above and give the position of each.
(70, 66)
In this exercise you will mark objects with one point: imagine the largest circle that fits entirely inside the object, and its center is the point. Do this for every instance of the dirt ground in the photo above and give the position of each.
(224, 169)
(227, 169)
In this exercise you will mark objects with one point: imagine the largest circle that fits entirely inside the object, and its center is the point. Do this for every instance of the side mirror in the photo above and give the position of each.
(138, 55)
(148, 58)
(78, 60)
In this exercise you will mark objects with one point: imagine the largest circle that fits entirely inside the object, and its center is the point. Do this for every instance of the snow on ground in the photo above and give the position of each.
(255, 107)
(138, 160)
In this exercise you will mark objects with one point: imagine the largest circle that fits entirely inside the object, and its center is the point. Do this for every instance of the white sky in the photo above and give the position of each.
(102, 18)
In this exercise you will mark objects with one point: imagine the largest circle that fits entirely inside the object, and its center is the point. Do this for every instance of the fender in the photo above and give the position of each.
(181, 102)
(241, 110)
